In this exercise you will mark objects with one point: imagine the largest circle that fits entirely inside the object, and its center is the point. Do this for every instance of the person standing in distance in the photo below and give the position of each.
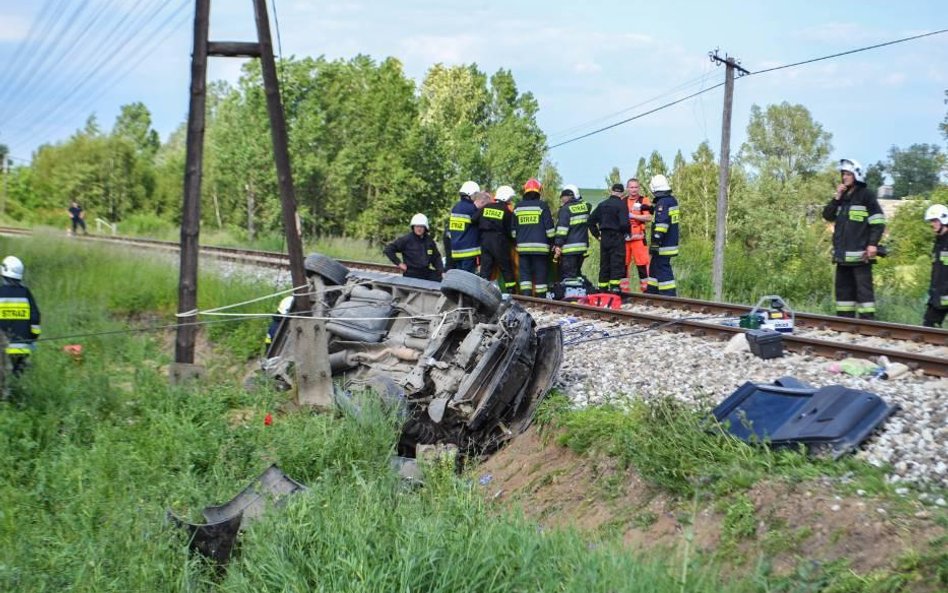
(78, 217)
(858, 224)
(937, 306)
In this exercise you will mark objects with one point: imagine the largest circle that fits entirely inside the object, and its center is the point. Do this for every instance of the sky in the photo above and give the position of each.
(588, 64)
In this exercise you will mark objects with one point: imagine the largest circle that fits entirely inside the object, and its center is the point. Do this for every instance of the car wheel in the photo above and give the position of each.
(458, 282)
(331, 271)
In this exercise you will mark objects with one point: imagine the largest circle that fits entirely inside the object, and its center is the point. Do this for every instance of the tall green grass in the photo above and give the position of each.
(92, 453)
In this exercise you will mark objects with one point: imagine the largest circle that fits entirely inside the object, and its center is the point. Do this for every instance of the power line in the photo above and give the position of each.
(701, 92)
(131, 59)
(638, 116)
(16, 65)
(81, 78)
(25, 66)
(852, 51)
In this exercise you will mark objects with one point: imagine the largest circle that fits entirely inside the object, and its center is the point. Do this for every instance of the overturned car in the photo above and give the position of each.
(465, 363)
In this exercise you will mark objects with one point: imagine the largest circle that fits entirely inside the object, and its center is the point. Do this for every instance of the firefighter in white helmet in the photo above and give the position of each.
(857, 229)
(19, 314)
(465, 237)
(937, 216)
(420, 255)
(283, 309)
(494, 221)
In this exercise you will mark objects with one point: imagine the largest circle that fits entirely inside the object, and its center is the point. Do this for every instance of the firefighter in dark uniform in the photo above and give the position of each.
(937, 306)
(533, 229)
(465, 237)
(664, 243)
(19, 314)
(609, 223)
(858, 227)
(495, 223)
(284, 308)
(420, 256)
(572, 233)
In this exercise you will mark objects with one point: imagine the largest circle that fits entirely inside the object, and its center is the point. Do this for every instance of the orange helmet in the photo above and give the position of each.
(532, 185)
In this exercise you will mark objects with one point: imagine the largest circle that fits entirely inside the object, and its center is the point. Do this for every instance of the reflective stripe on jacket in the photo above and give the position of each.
(858, 223)
(465, 237)
(533, 226)
(572, 227)
(665, 224)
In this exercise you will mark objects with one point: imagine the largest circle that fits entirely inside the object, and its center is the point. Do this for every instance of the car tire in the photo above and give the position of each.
(486, 294)
(332, 272)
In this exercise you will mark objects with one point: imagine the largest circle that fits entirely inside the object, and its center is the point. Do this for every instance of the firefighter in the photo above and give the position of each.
(420, 256)
(495, 223)
(533, 230)
(572, 233)
(858, 227)
(19, 314)
(465, 237)
(664, 242)
(937, 307)
(636, 247)
(609, 223)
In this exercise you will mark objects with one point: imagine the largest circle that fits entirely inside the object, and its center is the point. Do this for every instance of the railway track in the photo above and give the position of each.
(935, 365)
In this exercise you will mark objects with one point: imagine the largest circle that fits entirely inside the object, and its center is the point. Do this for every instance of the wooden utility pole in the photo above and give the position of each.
(724, 170)
(281, 154)
(191, 209)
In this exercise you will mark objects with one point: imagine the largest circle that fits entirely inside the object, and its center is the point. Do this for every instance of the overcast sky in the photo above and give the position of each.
(588, 64)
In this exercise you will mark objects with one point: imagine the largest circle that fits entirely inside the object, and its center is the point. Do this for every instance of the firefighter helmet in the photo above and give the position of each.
(419, 220)
(659, 183)
(853, 167)
(469, 188)
(937, 212)
(571, 189)
(504, 193)
(285, 305)
(532, 186)
(12, 267)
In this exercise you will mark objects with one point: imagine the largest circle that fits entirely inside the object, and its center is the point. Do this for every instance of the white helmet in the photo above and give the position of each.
(504, 193)
(571, 188)
(419, 220)
(12, 267)
(853, 167)
(285, 305)
(659, 183)
(937, 212)
(469, 188)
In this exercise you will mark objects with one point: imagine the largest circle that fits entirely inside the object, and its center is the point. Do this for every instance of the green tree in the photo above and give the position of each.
(515, 144)
(696, 187)
(875, 176)
(784, 142)
(944, 124)
(915, 170)
(134, 125)
(613, 177)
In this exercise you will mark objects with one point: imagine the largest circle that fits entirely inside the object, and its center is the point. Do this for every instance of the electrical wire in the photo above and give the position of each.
(775, 68)
(19, 67)
(134, 57)
(51, 57)
(104, 67)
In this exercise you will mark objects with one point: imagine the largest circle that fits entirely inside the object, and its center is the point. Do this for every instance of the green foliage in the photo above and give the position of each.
(784, 142)
(740, 520)
(916, 169)
(613, 177)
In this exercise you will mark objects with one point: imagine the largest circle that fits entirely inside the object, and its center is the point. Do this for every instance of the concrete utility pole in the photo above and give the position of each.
(191, 210)
(724, 172)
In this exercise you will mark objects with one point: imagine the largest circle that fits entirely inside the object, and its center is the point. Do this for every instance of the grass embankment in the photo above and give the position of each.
(92, 453)
(698, 470)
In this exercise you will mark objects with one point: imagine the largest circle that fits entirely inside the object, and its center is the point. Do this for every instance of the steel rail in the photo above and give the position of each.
(931, 365)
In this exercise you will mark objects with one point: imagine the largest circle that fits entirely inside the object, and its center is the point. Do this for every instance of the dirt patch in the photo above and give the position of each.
(787, 522)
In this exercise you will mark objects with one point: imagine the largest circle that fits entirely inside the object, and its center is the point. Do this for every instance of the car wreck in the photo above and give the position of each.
(465, 363)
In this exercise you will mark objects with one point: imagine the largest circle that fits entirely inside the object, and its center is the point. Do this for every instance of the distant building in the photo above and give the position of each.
(885, 192)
